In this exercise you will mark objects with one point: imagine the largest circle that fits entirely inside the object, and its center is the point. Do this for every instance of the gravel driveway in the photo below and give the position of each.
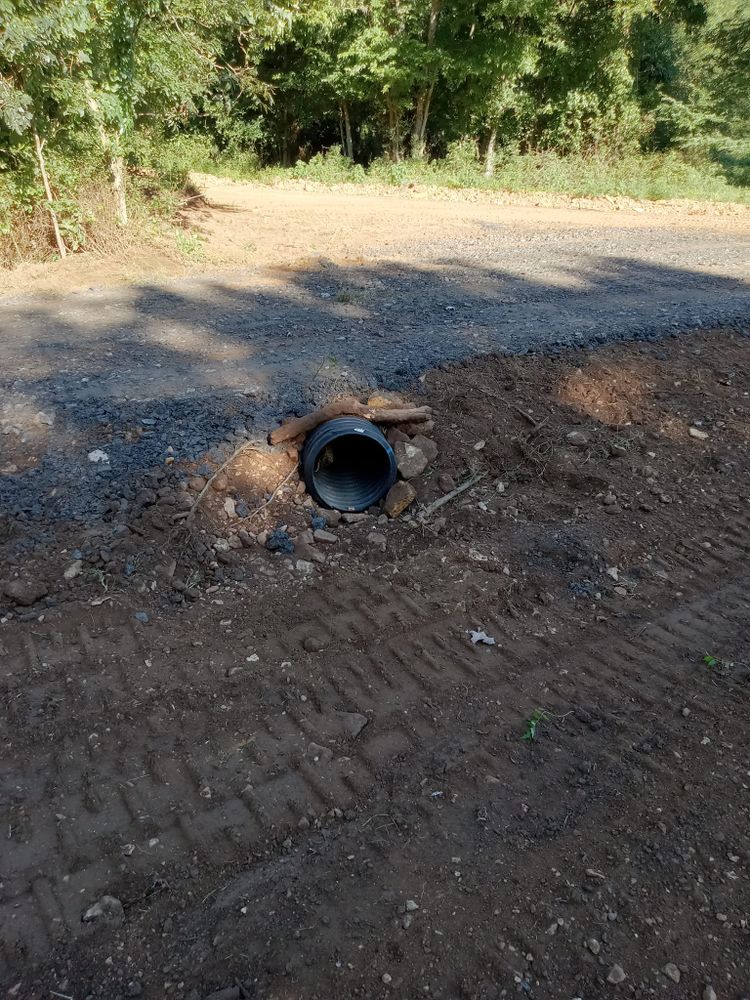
(190, 358)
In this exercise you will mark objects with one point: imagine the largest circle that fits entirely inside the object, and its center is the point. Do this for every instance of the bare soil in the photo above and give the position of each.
(308, 780)
(243, 224)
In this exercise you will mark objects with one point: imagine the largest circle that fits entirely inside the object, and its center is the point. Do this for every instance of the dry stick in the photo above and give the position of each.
(273, 496)
(472, 481)
(188, 514)
(63, 250)
(347, 407)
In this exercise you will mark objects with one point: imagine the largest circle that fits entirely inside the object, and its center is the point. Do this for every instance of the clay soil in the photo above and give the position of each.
(302, 778)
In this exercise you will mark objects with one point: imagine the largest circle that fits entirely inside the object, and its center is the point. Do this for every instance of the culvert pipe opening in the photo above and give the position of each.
(347, 464)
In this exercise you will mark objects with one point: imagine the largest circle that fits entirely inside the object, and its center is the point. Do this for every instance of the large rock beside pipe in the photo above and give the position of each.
(426, 445)
(399, 496)
(410, 459)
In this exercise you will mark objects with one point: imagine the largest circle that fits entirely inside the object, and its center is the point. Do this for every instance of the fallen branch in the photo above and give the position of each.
(349, 407)
(437, 504)
(189, 514)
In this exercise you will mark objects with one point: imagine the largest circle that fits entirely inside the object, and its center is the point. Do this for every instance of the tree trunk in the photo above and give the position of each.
(285, 138)
(349, 148)
(422, 106)
(419, 129)
(39, 145)
(394, 127)
(117, 169)
(115, 163)
(489, 154)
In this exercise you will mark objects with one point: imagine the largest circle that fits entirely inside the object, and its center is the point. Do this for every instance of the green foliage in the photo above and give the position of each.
(538, 716)
(563, 96)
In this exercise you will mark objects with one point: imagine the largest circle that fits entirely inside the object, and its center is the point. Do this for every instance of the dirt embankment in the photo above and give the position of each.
(309, 780)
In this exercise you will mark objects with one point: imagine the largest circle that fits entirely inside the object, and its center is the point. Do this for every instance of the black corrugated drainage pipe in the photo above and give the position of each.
(347, 464)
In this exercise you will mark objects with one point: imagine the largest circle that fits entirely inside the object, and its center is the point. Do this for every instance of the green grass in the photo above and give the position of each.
(646, 176)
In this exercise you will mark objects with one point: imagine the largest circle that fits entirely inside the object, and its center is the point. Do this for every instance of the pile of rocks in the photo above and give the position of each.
(413, 456)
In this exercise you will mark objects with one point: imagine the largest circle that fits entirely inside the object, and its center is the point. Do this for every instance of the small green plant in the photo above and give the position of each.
(717, 663)
(538, 716)
(190, 246)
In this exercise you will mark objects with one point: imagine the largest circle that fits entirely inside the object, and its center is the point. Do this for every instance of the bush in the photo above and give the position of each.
(331, 167)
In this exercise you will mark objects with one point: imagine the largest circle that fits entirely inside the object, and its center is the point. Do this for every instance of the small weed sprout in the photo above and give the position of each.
(538, 716)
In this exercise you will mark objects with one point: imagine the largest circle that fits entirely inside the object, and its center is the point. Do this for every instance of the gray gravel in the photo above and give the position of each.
(193, 360)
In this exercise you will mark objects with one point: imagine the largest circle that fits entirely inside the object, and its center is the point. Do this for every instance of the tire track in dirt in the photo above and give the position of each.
(150, 777)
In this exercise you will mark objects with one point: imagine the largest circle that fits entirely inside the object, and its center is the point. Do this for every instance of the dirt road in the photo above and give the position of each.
(233, 773)
(375, 290)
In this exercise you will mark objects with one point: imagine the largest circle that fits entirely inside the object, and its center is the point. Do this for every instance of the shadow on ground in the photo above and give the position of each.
(138, 371)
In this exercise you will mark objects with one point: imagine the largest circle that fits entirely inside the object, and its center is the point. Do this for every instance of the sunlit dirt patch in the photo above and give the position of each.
(615, 396)
(24, 433)
(258, 490)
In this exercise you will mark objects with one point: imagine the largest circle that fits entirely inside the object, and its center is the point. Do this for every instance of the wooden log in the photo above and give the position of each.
(349, 407)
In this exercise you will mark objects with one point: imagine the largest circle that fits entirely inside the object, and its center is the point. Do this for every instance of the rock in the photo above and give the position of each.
(73, 570)
(394, 435)
(411, 461)
(399, 497)
(235, 542)
(709, 993)
(279, 541)
(332, 517)
(108, 909)
(699, 435)
(134, 989)
(419, 427)
(246, 538)
(671, 971)
(228, 993)
(319, 754)
(617, 451)
(306, 536)
(387, 978)
(25, 592)
(324, 536)
(303, 566)
(352, 723)
(262, 537)
(377, 541)
(241, 509)
(577, 439)
(352, 518)
(98, 457)
(609, 499)
(220, 484)
(308, 552)
(196, 483)
(315, 643)
(142, 617)
(593, 946)
(229, 507)
(480, 445)
(446, 483)
(616, 975)
(426, 445)
(304, 823)
(411, 906)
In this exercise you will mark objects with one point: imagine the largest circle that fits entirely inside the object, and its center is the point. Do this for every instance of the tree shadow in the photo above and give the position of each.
(137, 371)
